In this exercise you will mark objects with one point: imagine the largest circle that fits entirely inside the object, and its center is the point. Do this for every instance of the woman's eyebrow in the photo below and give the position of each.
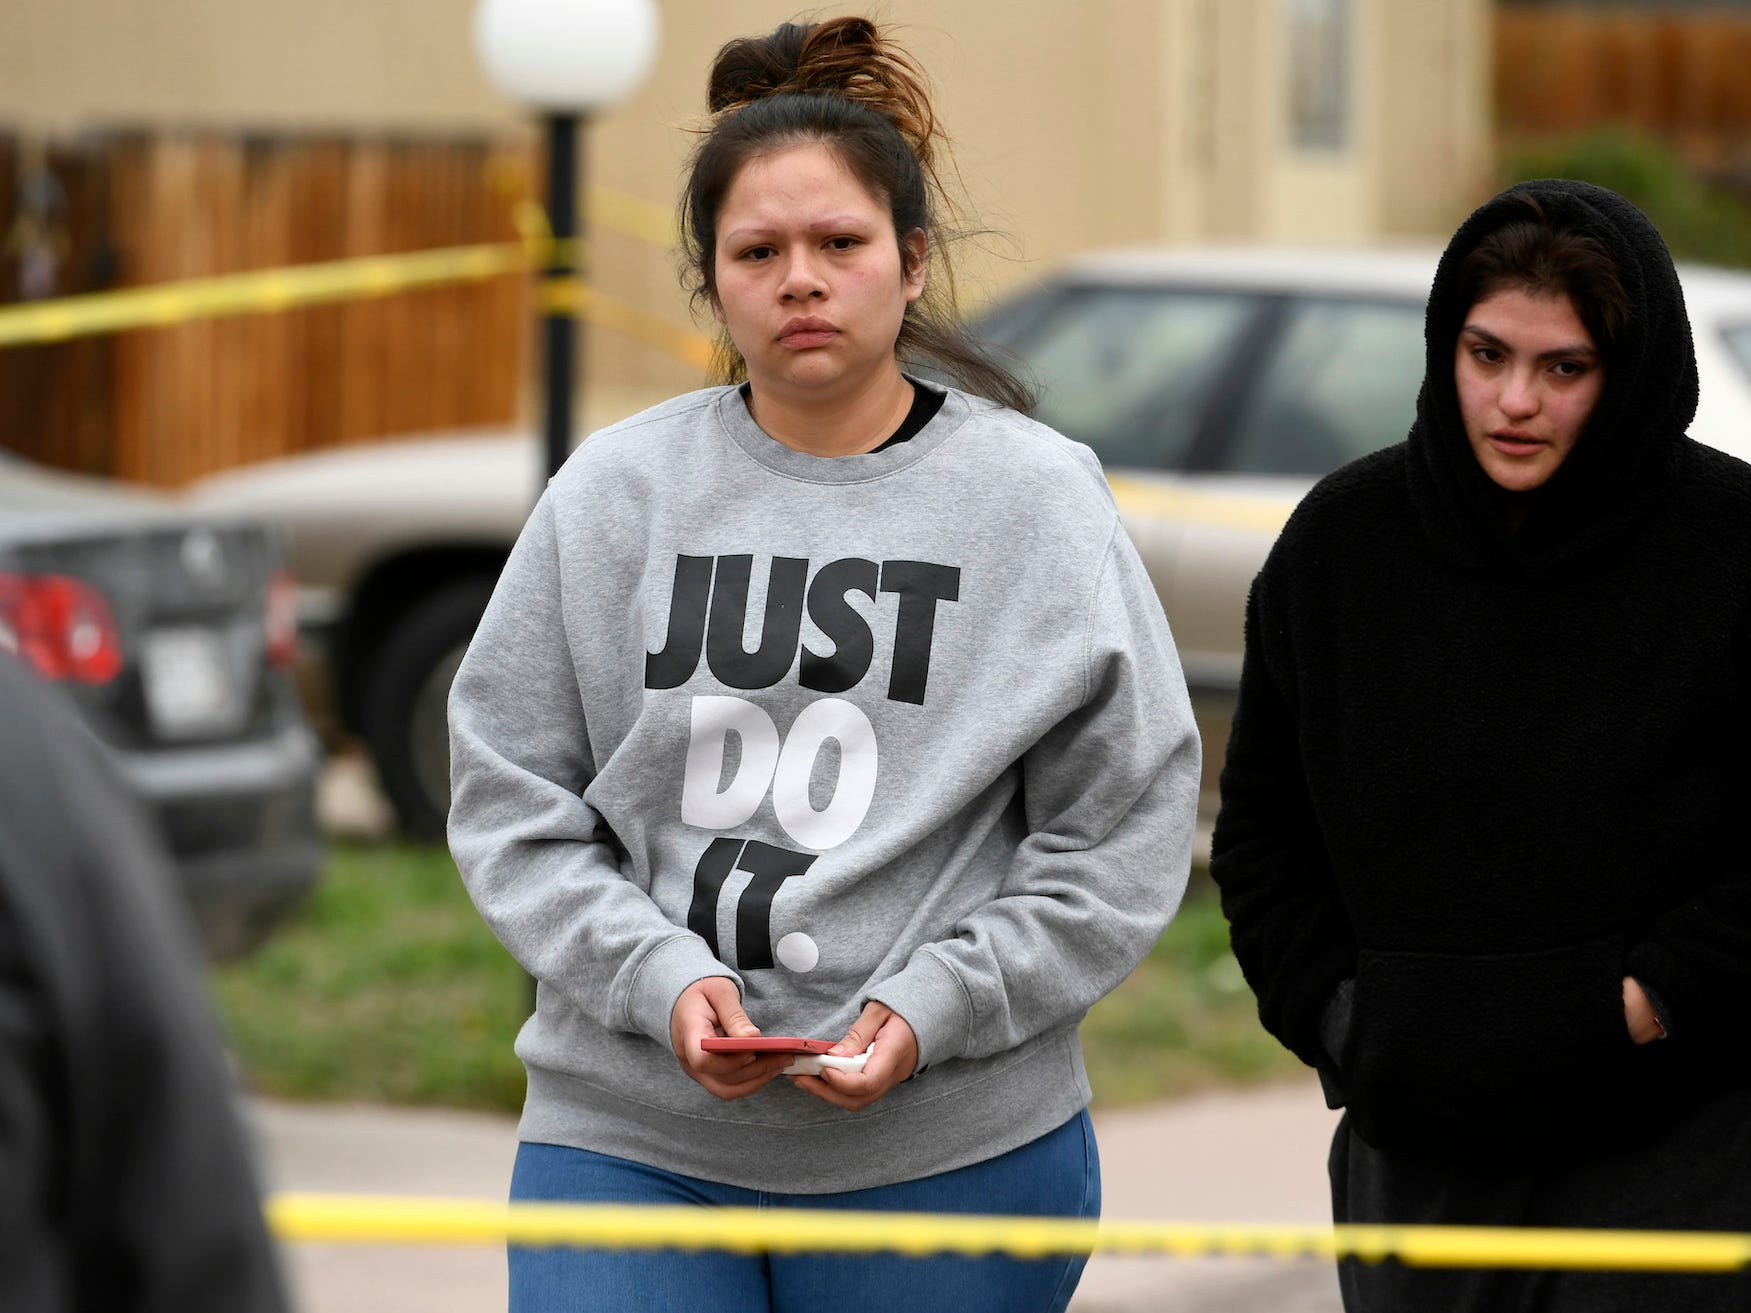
(837, 223)
(1556, 353)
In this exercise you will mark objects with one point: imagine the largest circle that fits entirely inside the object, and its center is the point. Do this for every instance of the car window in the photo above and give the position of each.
(1128, 371)
(1342, 382)
(1739, 339)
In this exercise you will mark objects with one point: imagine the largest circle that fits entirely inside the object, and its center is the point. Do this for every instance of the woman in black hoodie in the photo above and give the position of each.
(1484, 843)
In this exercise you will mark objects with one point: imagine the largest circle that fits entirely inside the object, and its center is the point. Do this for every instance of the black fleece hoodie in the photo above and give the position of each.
(1485, 774)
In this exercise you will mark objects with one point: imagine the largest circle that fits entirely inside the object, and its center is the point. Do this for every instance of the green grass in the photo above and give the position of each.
(1184, 1020)
(389, 989)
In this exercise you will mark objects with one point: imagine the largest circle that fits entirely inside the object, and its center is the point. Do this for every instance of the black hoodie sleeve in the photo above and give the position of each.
(1289, 929)
(1696, 957)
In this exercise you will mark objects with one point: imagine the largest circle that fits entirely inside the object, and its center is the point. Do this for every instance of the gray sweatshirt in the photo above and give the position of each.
(906, 726)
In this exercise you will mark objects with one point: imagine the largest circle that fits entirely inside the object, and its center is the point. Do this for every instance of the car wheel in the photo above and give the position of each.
(404, 720)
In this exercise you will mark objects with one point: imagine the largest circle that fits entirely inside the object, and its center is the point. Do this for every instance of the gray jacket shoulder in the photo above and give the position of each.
(634, 437)
(1040, 460)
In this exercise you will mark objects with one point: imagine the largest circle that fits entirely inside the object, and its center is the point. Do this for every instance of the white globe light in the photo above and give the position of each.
(566, 55)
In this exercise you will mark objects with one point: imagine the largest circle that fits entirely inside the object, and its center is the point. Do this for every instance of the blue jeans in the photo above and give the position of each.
(1057, 1175)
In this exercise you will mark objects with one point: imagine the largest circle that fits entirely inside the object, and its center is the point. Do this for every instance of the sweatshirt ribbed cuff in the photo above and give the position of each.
(933, 1002)
(666, 970)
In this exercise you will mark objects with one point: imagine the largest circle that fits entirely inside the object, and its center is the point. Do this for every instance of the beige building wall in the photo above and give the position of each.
(1103, 123)
(1321, 194)
(1436, 123)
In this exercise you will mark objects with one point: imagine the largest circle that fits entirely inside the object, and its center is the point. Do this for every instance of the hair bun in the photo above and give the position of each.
(845, 57)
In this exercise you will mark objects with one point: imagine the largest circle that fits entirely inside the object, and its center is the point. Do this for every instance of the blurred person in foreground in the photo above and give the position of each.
(1483, 835)
(940, 805)
(124, 1180)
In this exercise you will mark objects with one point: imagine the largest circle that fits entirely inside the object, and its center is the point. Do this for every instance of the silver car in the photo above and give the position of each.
(1216, 386)
(173, 634)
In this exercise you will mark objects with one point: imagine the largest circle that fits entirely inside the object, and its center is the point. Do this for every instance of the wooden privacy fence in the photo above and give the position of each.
(1681, 75)
(167, 405)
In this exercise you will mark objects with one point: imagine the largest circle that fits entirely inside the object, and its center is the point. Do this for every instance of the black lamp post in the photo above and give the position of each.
(564, 59)
(560, 329)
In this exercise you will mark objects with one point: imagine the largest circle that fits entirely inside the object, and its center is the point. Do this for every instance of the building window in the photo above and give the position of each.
(1319, 73)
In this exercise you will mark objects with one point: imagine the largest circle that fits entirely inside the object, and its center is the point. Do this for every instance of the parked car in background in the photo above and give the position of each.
(173, 635)
(395, 547)
(1215, 385)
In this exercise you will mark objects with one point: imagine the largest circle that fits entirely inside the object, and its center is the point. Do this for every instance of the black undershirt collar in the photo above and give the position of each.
(925, 403)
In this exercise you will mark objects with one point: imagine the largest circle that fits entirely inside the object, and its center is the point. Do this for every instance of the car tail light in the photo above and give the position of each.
(282, 619)
(61, 626)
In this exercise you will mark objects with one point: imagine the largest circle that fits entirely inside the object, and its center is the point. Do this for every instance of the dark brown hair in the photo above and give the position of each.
(842, 85)
(1534, 255)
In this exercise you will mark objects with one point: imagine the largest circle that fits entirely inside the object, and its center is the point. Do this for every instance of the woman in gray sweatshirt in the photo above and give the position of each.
(824, 703)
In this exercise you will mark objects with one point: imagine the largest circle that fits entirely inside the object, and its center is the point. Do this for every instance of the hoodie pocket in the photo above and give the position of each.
(1510, 1051)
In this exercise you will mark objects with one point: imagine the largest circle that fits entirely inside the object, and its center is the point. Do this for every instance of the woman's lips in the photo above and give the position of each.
(801, 333)
(1516, 444)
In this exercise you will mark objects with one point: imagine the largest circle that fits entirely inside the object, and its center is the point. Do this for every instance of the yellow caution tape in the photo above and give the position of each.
(373, 1219)
(629, 215)
(270, 290)
(633, 216)
(570, 295)
(1593, 1251)
(247, 293)
(1266, 515)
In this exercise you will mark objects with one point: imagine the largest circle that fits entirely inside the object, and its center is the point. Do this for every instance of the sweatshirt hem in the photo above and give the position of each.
(901, 1139)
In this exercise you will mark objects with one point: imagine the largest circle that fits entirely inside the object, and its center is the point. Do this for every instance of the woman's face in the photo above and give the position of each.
(1528, 376)
(810, 284)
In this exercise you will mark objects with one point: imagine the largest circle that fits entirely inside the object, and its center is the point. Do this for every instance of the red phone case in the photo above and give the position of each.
(764, 1044)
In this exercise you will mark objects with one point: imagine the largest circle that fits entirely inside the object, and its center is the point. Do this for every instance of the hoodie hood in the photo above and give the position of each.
(1622, 463)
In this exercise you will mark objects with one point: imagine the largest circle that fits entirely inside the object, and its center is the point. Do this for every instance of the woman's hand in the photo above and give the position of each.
(894, 1059)
(1638, 1013)
(713, 1006)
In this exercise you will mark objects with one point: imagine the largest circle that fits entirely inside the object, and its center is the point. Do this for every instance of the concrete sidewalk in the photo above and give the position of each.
(1255, 1156)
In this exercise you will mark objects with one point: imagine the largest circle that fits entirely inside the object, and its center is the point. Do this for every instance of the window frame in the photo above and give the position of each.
(1023, 320)
(1248, 392)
